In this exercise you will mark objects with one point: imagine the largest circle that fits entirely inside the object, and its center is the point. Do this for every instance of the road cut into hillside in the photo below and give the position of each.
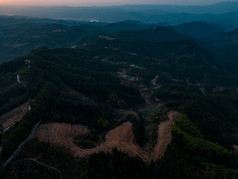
(122, 138)
(164, 136)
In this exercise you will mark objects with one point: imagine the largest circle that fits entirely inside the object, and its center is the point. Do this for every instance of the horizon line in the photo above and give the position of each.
(118, 5)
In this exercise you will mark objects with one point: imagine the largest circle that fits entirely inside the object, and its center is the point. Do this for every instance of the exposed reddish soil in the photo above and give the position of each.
(8, 119)
(121, 137)
(164, 136)
(60, 133)
(235, 147)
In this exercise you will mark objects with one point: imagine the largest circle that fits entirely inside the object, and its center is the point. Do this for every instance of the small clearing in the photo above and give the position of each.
(10, 118)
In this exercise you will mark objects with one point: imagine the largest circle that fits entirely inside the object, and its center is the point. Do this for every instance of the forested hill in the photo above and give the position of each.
(153, 34)
(181, 62)
(18, 35)
(118, 81)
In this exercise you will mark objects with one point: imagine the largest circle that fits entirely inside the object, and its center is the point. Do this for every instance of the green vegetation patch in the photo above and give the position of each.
(190, 136)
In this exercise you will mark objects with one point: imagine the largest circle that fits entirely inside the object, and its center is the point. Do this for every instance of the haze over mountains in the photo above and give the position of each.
(224, 13)
(20, 35)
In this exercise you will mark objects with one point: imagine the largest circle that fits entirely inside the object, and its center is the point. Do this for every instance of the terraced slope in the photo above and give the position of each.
(122, 137)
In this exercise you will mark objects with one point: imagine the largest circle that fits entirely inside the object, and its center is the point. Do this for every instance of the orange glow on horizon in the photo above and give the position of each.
(104, 2)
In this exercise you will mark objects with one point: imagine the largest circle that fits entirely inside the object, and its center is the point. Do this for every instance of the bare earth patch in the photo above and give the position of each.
(122, 137)
(8, 119)
(60, 133)
(235, 147)
(164, 136)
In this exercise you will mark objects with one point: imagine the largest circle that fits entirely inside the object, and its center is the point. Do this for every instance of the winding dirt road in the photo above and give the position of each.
(164, 136)
(62, 134)
(121, 137)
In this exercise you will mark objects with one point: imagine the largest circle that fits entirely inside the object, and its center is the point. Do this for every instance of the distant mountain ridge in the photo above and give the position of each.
(152, 34)
(174, 15)
(33, 33)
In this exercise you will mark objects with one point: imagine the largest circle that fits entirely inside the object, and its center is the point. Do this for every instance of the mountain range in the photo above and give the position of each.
(128, 99)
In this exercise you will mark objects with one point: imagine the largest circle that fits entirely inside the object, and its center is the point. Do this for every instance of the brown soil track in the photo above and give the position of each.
(62, 134)
(164, 136)
(235, 147)
(121, 138)
(8, 119)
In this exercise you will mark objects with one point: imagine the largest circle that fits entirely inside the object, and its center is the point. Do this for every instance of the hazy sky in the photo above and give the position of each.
(106, 2)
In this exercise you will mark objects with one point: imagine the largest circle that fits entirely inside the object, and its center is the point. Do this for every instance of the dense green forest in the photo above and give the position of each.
(119, 73)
